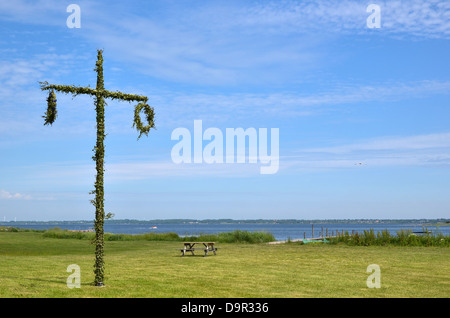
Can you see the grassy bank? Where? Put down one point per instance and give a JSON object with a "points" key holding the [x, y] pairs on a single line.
{"points": [[385, 238], [33, 265], [365, 238], [226, 237]]}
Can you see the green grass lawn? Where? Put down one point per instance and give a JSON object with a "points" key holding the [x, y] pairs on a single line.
{"points": [[34, 266]]}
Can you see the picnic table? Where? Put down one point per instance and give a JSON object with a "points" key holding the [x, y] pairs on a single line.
{"points": [[207, 247]]}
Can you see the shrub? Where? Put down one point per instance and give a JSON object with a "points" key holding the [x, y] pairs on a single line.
{"points": [[245, 237], [403, 238], [225, 237], [237, 236], [58, 233]]}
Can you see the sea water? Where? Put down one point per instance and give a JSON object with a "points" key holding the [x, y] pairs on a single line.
{"points": [[281, 231]]}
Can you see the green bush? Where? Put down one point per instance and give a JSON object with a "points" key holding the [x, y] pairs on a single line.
{"points": [[403, 238], [225, 237], [58, 233], [143, 237], [245, 237], [17, 229], [237, 236], [8, 229]]}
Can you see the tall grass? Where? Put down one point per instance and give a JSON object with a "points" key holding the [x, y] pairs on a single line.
{"points": [[17, 229], [403, 238], [234, 237], [226, 237]]}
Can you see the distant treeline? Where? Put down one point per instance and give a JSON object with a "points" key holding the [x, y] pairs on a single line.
{"points": [[246, 221]]}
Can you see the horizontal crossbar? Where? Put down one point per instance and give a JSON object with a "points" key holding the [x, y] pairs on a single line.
{"points": [[71, 89]]}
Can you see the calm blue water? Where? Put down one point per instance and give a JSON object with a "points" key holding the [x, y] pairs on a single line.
{"points": [[280, 231]]}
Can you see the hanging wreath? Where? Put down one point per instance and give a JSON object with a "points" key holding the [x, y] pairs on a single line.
{"points": [[51, 114], [149, 116]]}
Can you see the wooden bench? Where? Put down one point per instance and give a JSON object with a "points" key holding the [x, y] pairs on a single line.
{"points": [[207, 247]]}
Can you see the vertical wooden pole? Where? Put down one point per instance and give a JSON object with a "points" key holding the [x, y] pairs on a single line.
{"points": [[100, 95], [99, 188]]}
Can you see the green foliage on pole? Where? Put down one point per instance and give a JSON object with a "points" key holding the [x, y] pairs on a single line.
{"points": [[52, 113], [99, 150], [149, 116]]}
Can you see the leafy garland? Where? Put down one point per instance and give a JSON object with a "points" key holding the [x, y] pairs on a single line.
{"points": [[99, 150], [149, 116], [52, 113]]}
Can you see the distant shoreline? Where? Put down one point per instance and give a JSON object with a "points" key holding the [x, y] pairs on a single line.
{"points": [[439, 222]]}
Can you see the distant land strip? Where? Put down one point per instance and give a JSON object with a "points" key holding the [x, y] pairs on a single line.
{"points": [[441, 221]]}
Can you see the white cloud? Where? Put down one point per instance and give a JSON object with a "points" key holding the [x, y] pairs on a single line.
{"points": [[420, 150], [427, 18], [41, 12], [230, 43], [222, 107], [84, 175], [13, 196], [219, 108], [421, 18], [20, 76], [420, 142], [30, 12], [432, 150], [234, 43]]}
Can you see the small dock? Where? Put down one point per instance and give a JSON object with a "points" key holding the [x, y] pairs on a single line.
{"points": [[305, 240], [323, 236]]}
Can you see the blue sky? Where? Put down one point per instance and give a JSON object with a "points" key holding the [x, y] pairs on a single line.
{"points": [[363, 113]]}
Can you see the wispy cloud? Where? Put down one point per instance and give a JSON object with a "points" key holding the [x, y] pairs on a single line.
{"points": [[427, 18], [419, 150], [80, 174], [19, 90], [40, 12], [217, 108], [23, 74], [420, 142], [5, 195], [223, 107], [230, 43], [432, 150], [421, 18], [32, 12]]}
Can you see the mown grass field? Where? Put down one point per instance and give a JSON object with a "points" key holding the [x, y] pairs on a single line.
{"points": [[34, 266]]}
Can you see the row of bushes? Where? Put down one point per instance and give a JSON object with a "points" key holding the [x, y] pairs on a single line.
{"points": [[226, 237], [365, 238], [403, 238], [234, 237], [17, 229]]}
